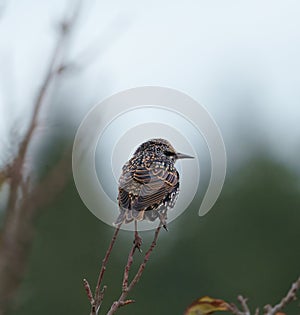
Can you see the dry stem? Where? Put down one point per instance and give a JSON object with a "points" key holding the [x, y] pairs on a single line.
{"points": [[17, 232], [290, 296], [268, 309], [96, 301], [127, 288]]}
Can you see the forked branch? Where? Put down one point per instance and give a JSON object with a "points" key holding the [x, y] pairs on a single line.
{"points": [[268, 309], [97, 298], [127, 288]]}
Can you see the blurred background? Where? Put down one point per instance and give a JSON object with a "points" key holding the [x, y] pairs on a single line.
{"points": [[239, 59]]}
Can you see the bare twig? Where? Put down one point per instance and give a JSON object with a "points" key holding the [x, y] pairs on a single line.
{"points": [[88, 292], [244, 305], [127, 288], [291, 296], [146, 258], [127, 268], [268, 309], [96, 301], [235, 310], [98, 294]]}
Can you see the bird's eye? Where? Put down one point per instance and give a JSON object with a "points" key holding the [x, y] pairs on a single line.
{"points": [[169, 153]]}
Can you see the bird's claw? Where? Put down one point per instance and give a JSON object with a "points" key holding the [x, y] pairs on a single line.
{"points": [[138, 242]]}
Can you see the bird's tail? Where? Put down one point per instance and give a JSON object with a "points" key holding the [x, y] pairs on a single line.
{"points": [[124, 217], [127, 216]]}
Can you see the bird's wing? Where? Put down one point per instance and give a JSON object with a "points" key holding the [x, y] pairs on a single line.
{"points": [[127, 186], [146, 187]]}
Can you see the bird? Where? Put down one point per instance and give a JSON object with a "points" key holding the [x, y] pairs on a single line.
{"points": [[149, 183]]}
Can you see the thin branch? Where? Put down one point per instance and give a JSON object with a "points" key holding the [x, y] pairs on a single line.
{"points": [[146, 258], [244, 304], [127, 268], [127, 288], [103, 267], [256, 311], [96, 301], [290, 296], [268, 309], [236, 311], [88, 291]]}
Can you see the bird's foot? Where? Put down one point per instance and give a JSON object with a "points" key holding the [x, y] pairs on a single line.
{"points": [[165, 226], [163, 220], [137, 241]]}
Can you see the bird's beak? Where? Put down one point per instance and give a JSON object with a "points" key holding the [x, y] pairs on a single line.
{"points": [[183, 156]]}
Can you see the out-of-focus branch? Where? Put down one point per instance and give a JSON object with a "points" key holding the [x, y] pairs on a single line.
{"points": [[24, 200], [91, 52], [4, 175]]}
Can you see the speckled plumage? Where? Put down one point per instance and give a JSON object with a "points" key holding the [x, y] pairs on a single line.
{"points": [[149, 183]]}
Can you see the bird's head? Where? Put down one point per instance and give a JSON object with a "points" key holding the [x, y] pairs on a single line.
{"points": [[161, 148]]}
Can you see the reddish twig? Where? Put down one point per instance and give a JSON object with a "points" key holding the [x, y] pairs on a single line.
{"points": [[96, 301], [127, 268], [127, 302], [146, 258], [127, 288], [88, 292], [104, 262]]}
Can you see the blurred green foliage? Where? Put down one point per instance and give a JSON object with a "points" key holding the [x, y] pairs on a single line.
{"points": [[248, 244]]}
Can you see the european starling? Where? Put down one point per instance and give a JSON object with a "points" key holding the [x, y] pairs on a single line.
{"points": [[149, 183]]}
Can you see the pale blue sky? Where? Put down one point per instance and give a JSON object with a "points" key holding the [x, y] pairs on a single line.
{"points": [[240, 59]]}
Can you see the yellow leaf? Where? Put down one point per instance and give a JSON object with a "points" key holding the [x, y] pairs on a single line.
{"points": [[206, 305]]}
